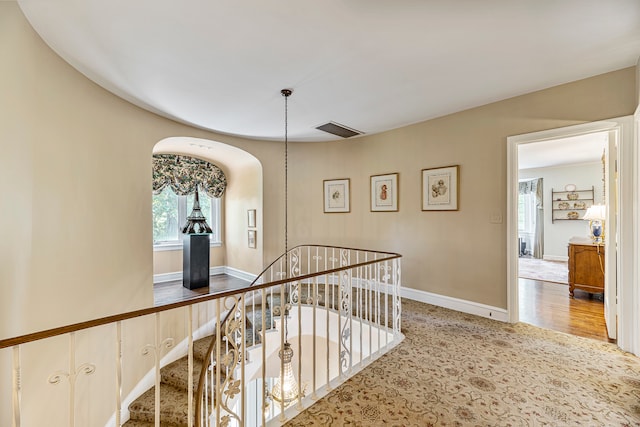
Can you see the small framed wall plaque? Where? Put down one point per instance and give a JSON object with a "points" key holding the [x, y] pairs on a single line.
{"points": [[251, 218], [384, 193], [440, 189], [336, 195], [251, 238]]}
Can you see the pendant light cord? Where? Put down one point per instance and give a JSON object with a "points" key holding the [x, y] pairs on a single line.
{"points": [[286, 93]]}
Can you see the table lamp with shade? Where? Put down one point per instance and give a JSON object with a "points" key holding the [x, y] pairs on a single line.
{"points": [[596, 215]]}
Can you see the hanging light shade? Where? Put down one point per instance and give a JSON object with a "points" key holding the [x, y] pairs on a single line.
{"points": [[286, 387]]}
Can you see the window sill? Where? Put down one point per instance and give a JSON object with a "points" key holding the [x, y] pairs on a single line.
{"points": [[178, 246]]}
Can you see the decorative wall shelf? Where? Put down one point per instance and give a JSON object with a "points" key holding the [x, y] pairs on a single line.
{"points": [[570, 205]]}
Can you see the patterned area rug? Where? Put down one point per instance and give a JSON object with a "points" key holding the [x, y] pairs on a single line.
{"points": [[547, 271], [455, 369]]}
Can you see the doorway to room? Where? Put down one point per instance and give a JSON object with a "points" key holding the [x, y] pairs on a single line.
{"points": [[559, 181], [616, 233]]}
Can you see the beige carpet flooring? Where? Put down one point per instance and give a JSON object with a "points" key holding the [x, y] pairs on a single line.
{"points": [[547, 271], [454, 369]]}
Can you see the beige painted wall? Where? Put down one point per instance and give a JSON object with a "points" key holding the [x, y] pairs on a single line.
{"points": [[244, 193], [458, 254], [76, 169]]}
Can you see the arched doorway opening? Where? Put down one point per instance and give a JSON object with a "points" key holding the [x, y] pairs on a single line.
{"points": [[231, 251]]}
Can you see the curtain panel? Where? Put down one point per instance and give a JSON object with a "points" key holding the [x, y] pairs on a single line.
{"points": [[535, 186], [184, 174]]}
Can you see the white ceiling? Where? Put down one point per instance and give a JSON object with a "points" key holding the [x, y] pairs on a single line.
{"points": [[372, 65], [566, 151]]}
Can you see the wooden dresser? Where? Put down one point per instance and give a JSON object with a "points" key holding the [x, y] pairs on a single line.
{"points": [[586, 266]]}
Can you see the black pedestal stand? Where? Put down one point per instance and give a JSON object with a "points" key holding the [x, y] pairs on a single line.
{"points": [[195, 261]]}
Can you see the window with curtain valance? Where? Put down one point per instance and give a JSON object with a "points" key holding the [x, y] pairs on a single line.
{"points": [[175, 179]]}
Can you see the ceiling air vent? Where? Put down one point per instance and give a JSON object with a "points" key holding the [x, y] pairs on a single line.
{"points": [[339, 130]]}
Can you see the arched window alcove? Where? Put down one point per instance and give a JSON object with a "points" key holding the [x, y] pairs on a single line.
{"points": [[231, 252]]}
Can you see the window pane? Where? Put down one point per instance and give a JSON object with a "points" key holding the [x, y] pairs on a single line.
{"points": [[165, 216]]}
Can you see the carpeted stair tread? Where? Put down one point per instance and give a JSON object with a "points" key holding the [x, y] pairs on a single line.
{"points": [[176, 373], [200, 347], [173, 406]]}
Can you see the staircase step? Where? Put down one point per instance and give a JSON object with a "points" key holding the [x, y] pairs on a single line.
{"points": [[176, 373], [200, 347], [173, 392], [173, 406]]}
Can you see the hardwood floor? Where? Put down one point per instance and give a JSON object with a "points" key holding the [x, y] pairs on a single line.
{"points": [[168, 292], [549, 306]]}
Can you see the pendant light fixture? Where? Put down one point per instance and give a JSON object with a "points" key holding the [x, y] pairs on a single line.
{"points": [[286, 388]]}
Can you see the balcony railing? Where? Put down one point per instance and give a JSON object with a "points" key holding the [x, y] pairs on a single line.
{"points": [[338, 309]]}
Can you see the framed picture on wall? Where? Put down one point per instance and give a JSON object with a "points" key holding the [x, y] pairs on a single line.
{"points": [[336, 195], [251, 218], [440, 189], [384, 193], [252, 238]]}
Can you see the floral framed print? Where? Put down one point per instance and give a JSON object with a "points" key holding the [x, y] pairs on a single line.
{"points": [[440, 189], [384, 193], [336, 195]]}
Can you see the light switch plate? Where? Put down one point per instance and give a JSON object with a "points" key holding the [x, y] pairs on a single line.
{"points": [[496, 218]]}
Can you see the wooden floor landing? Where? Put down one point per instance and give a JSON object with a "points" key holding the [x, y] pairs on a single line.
{"points": [[169, 292], [549, 306]]}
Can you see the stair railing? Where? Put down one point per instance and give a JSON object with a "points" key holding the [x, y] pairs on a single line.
{"points": [[348, 277], [351, 296]]}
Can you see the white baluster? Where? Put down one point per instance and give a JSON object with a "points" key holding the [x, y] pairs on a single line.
{"points": [[314, 286], [17, 387], [118, 374], [72, 375], [263, 339], [190, 366]]}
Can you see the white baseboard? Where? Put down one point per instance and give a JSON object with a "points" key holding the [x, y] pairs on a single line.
{"points": [[555, 258], [167, 277], [456, 304], [177, 275], [464, 306], [250, 277]]}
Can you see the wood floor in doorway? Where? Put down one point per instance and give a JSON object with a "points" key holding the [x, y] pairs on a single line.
{"points": [[549, 306]]}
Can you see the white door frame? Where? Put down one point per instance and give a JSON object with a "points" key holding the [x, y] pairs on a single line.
{"points": [[628, 323], [632, 338]]}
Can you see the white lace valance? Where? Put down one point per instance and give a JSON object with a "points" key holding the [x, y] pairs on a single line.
{"points": [[184, 174]]}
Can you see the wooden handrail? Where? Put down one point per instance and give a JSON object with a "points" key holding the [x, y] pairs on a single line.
{"points": [[48, 333], [253, 286]]}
